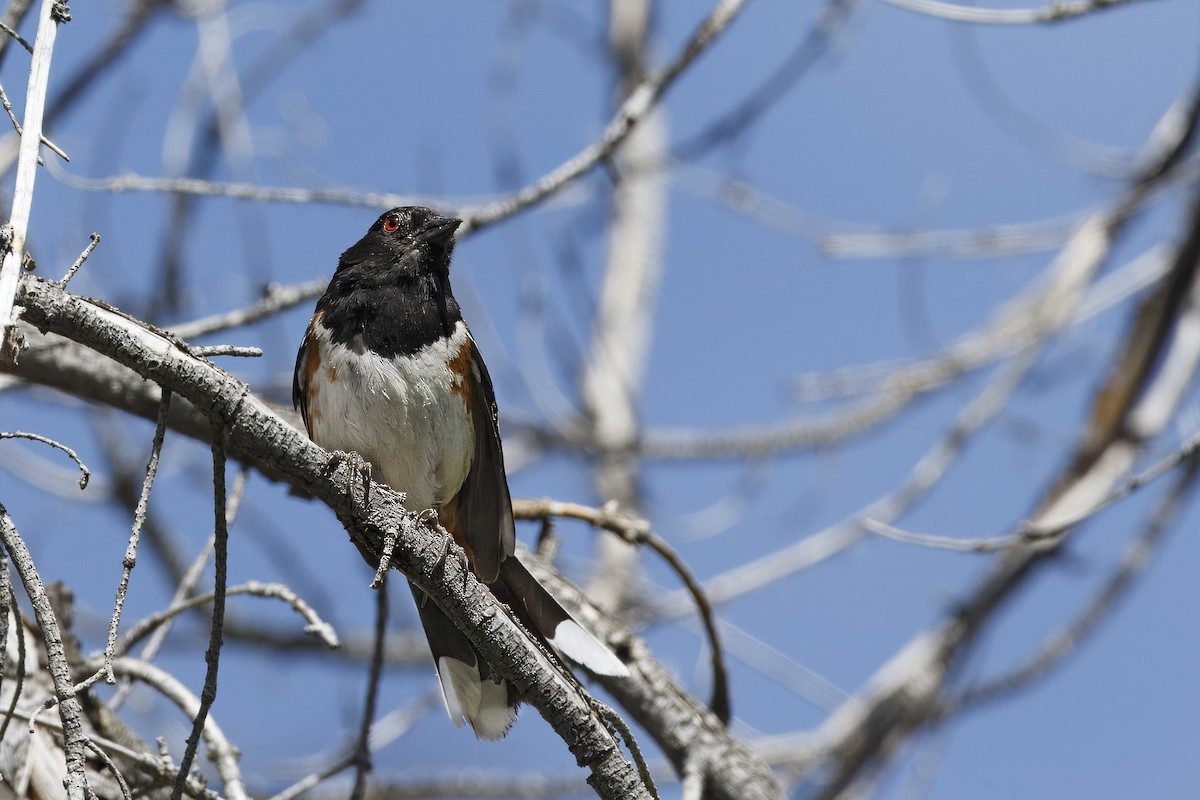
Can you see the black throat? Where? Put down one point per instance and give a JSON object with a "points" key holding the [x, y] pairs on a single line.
{"points": [[398, 318]]}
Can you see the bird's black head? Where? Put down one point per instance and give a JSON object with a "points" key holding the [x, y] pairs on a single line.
{"points": [[405, 243], [391, 291]]}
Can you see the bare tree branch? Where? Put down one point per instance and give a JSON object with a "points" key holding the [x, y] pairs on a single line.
{"points": [[27, 161], [254, 431], [1055, 11], [69, 711], [903, 694], [1067, 640], [212, 655], [622, 329], [641, 101]]}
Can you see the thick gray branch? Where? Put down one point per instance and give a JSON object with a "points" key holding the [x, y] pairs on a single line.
{"points": [[254, 432]]}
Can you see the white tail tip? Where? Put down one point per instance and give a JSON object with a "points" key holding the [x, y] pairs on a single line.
{"points": [[586, 650], [469, 698]]}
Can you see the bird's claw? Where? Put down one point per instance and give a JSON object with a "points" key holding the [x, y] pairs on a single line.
{"points": [[355, 463], [449, 546]]}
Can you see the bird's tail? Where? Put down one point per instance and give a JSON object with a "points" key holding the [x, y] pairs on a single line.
{"points": [[543, 616], [472, 691]]}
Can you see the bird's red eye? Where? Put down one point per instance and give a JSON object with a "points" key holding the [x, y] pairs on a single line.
{"points": [[390, 224]]}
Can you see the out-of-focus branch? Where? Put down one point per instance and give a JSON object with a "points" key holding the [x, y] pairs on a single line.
{"points": [[1074, 266], [623, 326], [14, 12], [222, 128], [1055, 11], [467, 784], [119, 184], [903, 695], [980, 346], [753, 576], [842, 239], [275, 299], [641, 101], [1063, 642], [891, 387], [807, 53], [138, 16]]}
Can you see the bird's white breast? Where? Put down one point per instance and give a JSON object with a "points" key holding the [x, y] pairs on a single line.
{"points": [[405, 414]]}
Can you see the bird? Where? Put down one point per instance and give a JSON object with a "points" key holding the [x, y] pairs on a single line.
{"points": [[389, 371]]}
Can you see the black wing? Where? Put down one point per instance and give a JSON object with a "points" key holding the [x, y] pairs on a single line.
{"points": [[483, 503], [305, 362]]}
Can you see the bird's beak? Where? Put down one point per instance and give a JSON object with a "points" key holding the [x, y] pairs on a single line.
{"points": [[438, 230]]}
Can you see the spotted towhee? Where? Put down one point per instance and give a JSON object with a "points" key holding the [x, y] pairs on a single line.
{"points": [[388, 370]]}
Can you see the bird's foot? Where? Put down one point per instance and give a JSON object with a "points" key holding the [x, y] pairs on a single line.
{"points": [[449, 546], [355, 463]]}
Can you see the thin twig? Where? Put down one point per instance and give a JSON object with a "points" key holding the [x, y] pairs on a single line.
{"points": [[87, 251], [130, 182], [983, 545], [315, 625], [58, 151], [188, 581], [277, 298], [1031, 531], [212, 655], [641, 101], [108, 762], [1133, 483], [186, 584], [18, 37], [226, 350], [139, 519], [385, 560], [362, 746], [86, 473]]}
